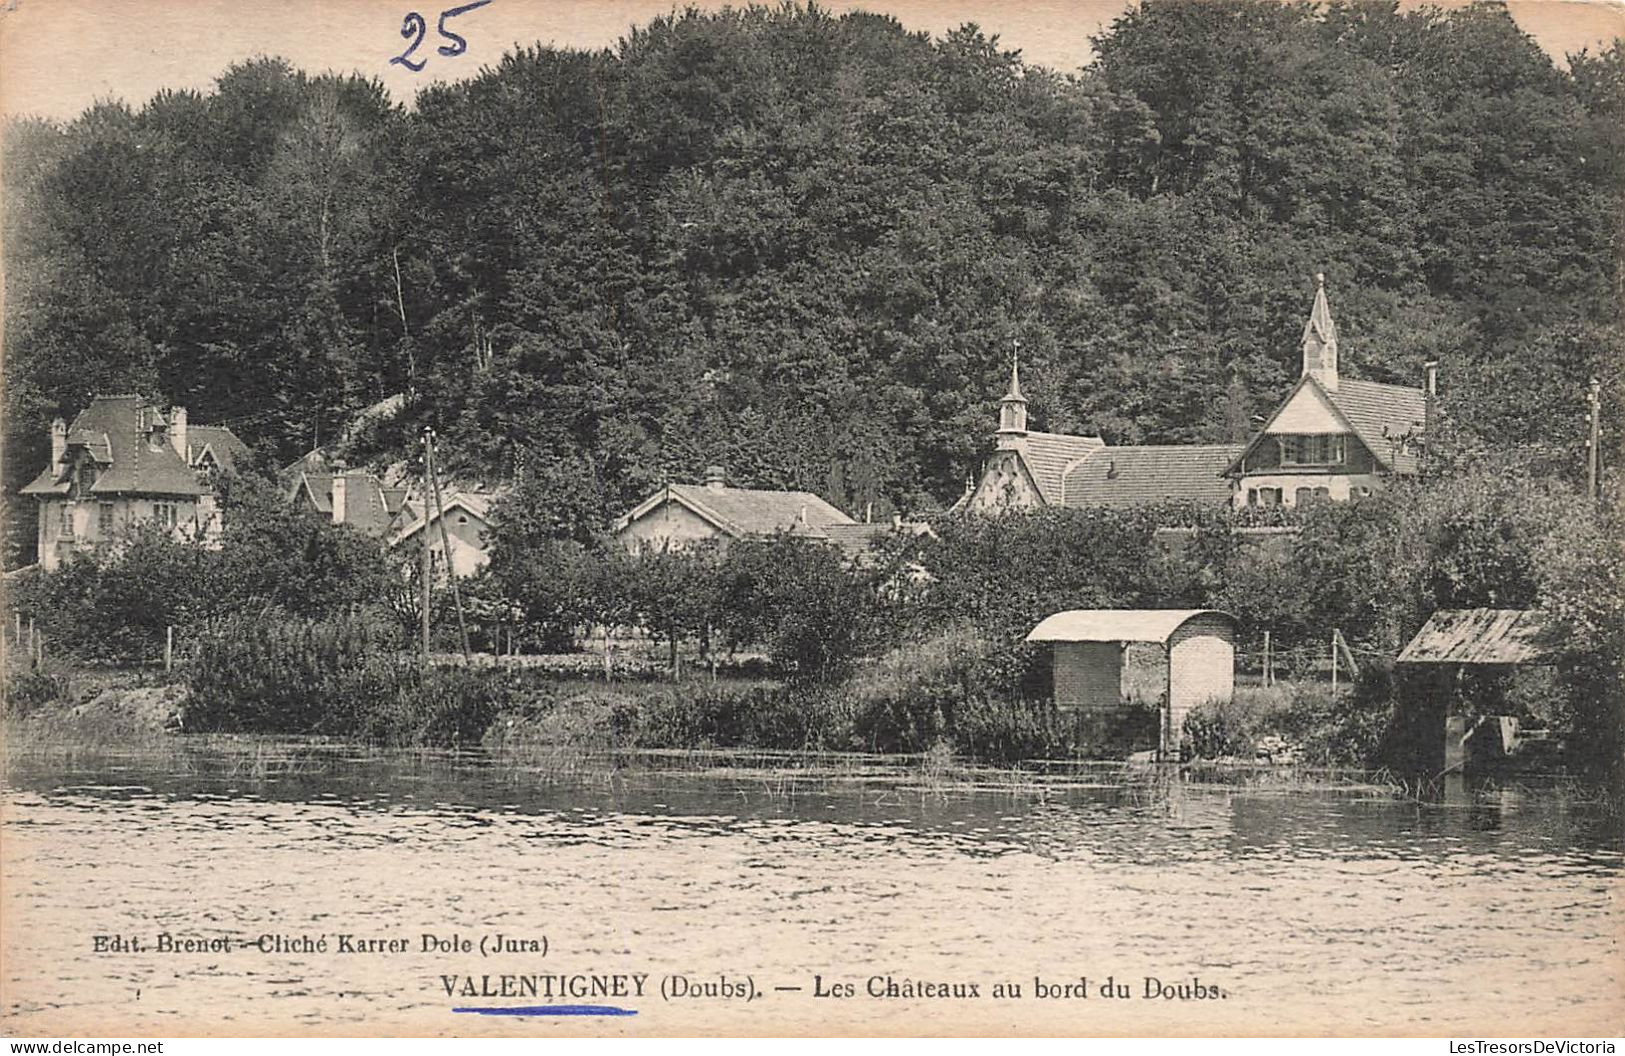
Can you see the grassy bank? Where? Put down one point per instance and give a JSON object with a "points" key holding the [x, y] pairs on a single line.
{"points": [[953, 697]]}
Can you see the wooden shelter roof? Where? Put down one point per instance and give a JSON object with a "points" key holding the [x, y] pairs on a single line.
{"points": [[1482, 636]]}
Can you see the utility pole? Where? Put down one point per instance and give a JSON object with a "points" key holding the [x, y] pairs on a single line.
{"points": [[1594, 440], [445, 543], [428, 439]]}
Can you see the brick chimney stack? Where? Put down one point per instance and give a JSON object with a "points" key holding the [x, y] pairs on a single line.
{"points": [[716, 478], [59, 444], [341, 489], [177, 432]]}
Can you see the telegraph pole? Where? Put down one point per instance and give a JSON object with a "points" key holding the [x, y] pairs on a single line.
{"points": [[445, 543], [1594, 440]]}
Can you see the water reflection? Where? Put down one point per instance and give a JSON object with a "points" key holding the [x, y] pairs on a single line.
{"points": [[1360, 910]]}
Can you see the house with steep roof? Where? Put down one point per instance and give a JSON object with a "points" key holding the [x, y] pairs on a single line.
{"points": [[1332, 437], [121, 462], [354, 497], [1027, 468], [1030, 469]]}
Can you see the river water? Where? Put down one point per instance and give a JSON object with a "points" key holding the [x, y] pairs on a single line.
{"points": [[1292, 911]]}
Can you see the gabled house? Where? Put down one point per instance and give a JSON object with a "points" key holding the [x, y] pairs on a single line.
{"points": [[124, 461], [395, 514], [680, 515], [354, 497], [1031, 469], [1027, 468], [1332, 437], [466, 516]]}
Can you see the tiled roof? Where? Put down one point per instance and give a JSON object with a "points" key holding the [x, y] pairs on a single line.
{"points": [[1378, 411], [858, 541], [477, 503], [366, 507], [1143, 475], [750, 511], [1048, 454], [114, 429], [225, 445]]}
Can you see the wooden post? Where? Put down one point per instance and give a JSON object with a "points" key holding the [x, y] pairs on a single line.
{"points": [[1269, 662], [169, 647], [445, 542], [1334, 664], [1594, 440]]}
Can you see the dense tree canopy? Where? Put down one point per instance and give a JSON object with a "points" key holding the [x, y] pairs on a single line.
{"points": [[801, 245]]}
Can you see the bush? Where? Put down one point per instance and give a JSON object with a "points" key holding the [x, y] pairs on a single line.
{"points": [[28, 691], [956, 688], [1219, 729], [345, 678], [1348, 729]]}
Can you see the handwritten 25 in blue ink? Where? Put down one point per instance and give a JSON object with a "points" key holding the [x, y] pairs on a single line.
{"points": [[413, 26]]}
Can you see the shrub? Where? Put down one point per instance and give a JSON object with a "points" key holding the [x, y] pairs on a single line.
{"points": [[1348, 729], [27, 691], [1232, 728], [346, 677], [955, 687]]}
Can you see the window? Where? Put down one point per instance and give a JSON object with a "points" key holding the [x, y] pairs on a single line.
{"points": [[66, 529], [1311, 450], [1304, 496], [1263, 496], [104, 520], [164, 513]]}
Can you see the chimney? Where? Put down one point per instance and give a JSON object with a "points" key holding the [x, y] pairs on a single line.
{"points": [[341, 488], [177, 432], [896, 521], [1111, 469], [59, 445], [1430, 387], [715, 478]]}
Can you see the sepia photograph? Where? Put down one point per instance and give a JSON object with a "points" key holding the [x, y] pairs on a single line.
{"points": [[909, 518]]}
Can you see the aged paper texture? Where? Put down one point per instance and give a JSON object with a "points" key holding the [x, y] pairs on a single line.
{"points": [[937, 517]]}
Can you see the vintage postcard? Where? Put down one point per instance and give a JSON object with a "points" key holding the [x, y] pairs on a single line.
{"points": [[930, 517]]}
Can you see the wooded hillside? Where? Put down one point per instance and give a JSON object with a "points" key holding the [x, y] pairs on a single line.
{"points": [[802, 245]]}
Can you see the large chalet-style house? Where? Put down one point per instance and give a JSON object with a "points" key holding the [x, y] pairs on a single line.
{"points": [[681, 515], [1332, 437], [124, 461]]}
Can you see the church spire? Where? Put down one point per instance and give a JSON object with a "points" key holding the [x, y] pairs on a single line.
{"points": [[1013, 408], [1320, 339]]}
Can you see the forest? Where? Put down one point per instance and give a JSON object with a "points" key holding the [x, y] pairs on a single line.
{"points": [[803, 245]]}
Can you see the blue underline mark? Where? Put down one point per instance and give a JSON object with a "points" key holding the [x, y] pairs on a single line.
{"points": [[549, 1010]]}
